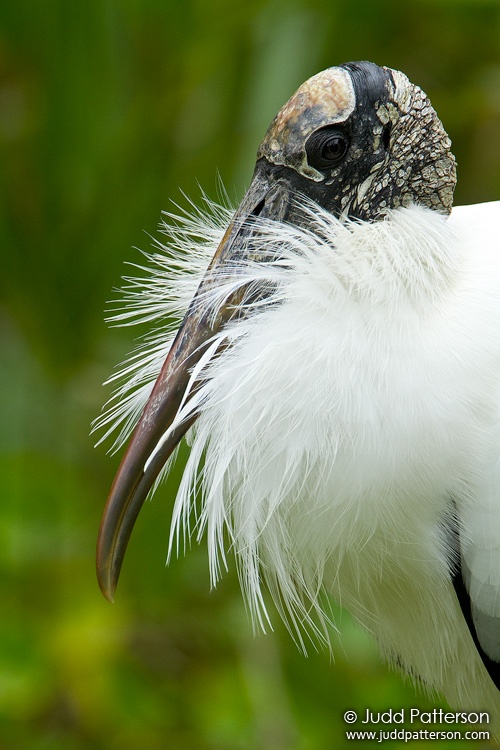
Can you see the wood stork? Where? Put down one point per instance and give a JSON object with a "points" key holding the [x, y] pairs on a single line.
{"points": [[338, 371]]}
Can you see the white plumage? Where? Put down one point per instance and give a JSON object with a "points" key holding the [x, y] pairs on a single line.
{"points": [[347, 439]]}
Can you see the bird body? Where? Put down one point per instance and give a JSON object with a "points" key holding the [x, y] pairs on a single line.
{"points": [[342, 391], [348, 487]]}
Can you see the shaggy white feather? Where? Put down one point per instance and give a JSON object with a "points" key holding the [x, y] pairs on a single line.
{"points": [[161, 298], [350, 406]]}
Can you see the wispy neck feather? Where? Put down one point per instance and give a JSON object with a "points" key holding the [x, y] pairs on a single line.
{"points": [[335, 278]]}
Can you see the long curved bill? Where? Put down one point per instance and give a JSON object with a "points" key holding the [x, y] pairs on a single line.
{"points": [[151, 445]]}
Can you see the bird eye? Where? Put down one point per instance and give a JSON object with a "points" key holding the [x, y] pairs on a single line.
{"points": [[326, 148]]}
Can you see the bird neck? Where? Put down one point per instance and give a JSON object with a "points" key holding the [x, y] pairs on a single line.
{"points": [[410, 256]]}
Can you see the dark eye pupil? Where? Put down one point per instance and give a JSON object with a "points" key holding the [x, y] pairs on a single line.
{"points": [[333, 148], [326, 148]]}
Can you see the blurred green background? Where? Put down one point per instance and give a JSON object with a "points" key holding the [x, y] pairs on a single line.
{"points": [[107, 108]]}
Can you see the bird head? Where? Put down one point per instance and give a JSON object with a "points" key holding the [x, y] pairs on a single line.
{"points": [[358, 140]]}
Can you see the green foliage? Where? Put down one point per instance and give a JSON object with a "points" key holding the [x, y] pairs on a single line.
{"points": [[107, 108]]}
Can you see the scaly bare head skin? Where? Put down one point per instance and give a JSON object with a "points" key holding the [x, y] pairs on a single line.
{"points": [[326, 98], [357, 140], [395, 134]]}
